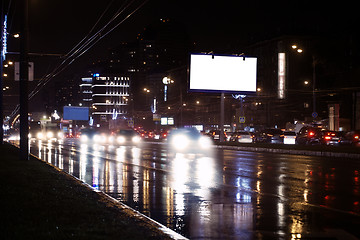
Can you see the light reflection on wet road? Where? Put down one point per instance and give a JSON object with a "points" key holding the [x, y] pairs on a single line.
{"points": [[223, 194]]}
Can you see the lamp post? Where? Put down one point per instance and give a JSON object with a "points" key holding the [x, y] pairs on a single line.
{"points": [[299, 50]]}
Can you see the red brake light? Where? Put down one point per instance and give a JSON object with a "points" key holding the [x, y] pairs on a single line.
{"points": [[327, 137], [356, 137], [311, 134]]}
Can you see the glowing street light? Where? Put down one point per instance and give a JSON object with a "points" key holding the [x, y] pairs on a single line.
{"points": [[299, 50]]}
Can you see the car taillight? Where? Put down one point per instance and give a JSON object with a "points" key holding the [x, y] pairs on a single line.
{"points": [[311, 134], [356, 137], [238, 136], [327, 138]]}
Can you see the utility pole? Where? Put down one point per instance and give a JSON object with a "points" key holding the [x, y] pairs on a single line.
{"points": [[314, 113], [24, 75], [222, 113]]}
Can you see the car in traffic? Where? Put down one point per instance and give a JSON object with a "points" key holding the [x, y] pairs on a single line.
{"points": [[47, 132], [309, 136], [188, 139], [241, 137], [93, 136], [271, 135], [215, 135], [330, 137], [125, 137], [289, 137], [350, 138]]}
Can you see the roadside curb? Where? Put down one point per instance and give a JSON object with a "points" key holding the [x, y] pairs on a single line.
{"points": [[141, 217], [285, 151], [292, 151]]}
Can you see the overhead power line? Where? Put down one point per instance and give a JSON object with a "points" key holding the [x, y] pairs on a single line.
{"points": [[88, 42]]}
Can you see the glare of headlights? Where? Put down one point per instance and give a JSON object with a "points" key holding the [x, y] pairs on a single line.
{"points": [[103, 138], [60, 135], [39, 135], [49, 134], [84, 138], [180, 141], [136, 139], [111, 139], [29, 135], [205, 142], [96, 138], [121, 139]]}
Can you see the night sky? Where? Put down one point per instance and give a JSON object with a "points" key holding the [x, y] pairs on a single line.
{"points": [[56, 26]]}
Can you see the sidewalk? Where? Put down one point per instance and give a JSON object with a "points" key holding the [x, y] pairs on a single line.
{"points": [[39, 201]]}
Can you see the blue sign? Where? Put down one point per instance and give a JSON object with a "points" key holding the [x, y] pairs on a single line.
{"points": [[314, 114], [241, 119], [76, 113]]}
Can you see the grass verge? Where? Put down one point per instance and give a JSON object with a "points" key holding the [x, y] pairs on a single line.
{"points": [[41, 202]]}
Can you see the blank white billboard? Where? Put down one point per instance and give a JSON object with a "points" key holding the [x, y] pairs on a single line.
{"points": [[222, 73]]}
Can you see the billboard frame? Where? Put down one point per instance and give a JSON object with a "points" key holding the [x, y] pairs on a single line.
{"points": [[244, 57]]}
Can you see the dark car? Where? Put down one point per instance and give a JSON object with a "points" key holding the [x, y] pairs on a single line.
{"points": [[241, 137], [125, 137], [330, 137], [351, 138], [272, 135], [309, 136], [215, 135]]}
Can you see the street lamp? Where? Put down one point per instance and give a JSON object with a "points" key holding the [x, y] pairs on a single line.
{"points": [[299, 50]]}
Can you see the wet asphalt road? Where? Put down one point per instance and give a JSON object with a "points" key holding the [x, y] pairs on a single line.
{"points": [[222, 194]]}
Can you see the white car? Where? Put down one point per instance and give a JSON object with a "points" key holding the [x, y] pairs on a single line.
{"points": [[289, 137]]}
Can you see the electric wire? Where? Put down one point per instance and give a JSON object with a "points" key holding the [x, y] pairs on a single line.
{"points": [[68, 61], [83, 46]]}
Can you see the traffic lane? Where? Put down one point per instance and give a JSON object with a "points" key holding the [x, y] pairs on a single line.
{"points": [[239, 195], [291, 188]]}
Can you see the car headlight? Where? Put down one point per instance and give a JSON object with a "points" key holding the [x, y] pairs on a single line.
{"points": [[49, 135], [121, 139], [205, 142], [84, 138], [136, 139], [39, 135], [180, 142], [97, 138], [60, 135]]}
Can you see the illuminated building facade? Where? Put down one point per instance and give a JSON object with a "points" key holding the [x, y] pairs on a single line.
{"points": [[107, 97], [302, 77]]}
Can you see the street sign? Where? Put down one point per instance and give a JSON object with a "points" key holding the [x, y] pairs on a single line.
{"points": [[17, 71], [241, 119], [314, 114], [156, 117]]}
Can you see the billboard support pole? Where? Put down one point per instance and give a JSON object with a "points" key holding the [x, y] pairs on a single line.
{"points": [[222, 117], [24, 75]]}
